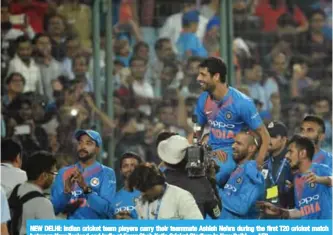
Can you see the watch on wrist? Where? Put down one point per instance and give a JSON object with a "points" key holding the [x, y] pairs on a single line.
{"points": [[87, 190]]}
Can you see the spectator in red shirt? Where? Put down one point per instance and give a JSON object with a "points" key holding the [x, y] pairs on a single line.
{"points": [[270, 10], [34, 11]]}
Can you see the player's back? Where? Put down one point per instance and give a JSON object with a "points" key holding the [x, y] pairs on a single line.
{"points": [[312, 199]]}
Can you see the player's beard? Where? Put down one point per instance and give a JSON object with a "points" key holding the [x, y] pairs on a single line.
{"points": [[210, 88], [239, 156], [87, 157], [315, 140]]}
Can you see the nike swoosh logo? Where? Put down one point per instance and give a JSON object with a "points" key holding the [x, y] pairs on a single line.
{"points": [[208, 112], [118, 204]]}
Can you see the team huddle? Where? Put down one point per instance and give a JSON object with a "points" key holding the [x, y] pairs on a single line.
{"points": [[260, 172], [239, 141]]}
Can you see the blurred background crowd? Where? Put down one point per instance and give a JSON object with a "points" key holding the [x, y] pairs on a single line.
{"points": [[282, 59]]}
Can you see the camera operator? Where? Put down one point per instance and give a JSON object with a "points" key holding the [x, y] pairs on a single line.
{"points": [[173, 152]]}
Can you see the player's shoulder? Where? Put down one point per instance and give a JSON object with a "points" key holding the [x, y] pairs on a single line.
{"points": [[321, 169], [239, 96], [203, 96], [252, 172], [107, 170], [326, 153]]}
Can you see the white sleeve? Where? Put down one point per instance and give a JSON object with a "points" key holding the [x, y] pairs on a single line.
{"points": [[45, 210], [5, 215], [188, 208], [167, 30]]}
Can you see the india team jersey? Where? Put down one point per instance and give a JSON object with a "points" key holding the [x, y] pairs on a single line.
{"points": [[323, 157], [312, 199], [95, 205], [227, 117], [245, 186], [125, 201]]}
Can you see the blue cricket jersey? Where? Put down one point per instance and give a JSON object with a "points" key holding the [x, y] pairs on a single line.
{"points": [[95, 205], [245, 186], [226, 118], [314, 200], [323, 157], [125, 201], [190, 42]]}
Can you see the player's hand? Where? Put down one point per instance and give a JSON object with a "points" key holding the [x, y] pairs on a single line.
{"points": [[311, 178], [123, 215], [268, 208], [69, 184], [220, 155], [289, 185], [78, 178]]}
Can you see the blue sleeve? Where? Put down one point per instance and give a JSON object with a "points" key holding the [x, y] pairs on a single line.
{"points": [[251, 191], [324, 171], [59, 198], [200, 109], [250, 115], [328, 160], [102, 203]]}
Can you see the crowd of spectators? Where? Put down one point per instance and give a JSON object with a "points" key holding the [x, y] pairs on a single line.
{"points": [[282, 59]]}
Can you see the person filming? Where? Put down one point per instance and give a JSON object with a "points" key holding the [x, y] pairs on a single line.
{"points": [[173, 152]]}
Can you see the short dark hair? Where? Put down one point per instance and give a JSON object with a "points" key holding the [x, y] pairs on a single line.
{"points": [[315, 12], [119, 62], [137, 58], [159, 43], [215, 66], [303, 143], [250, 63], [38, 163], [193, 59], [145, 177], [319, 98], [12, 75], [317, 120], [140, 44], [22, 39], [286, 19], [164, 136], [127, 155], [17, 103], [38, 36], [9, 150], [172, 65]]}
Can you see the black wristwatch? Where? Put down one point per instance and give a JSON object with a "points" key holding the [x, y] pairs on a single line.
{"points": [[87, 190]]}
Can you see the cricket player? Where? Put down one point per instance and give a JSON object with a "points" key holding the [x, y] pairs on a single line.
{"points": [[227, 111], [86, 189]]}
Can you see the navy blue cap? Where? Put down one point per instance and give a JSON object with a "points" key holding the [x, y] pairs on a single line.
{"points": [[94, 135], [214, 21], [276, 129], [190, 17]]}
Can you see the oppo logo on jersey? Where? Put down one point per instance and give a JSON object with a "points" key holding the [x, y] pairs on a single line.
{"points": [[220, 124], [309, 205], [124, 208], [308, 200], [230, 187], [77, 193]]}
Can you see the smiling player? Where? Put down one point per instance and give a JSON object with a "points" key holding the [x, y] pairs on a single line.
{"points": [[313, 184], [227, 111]]}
